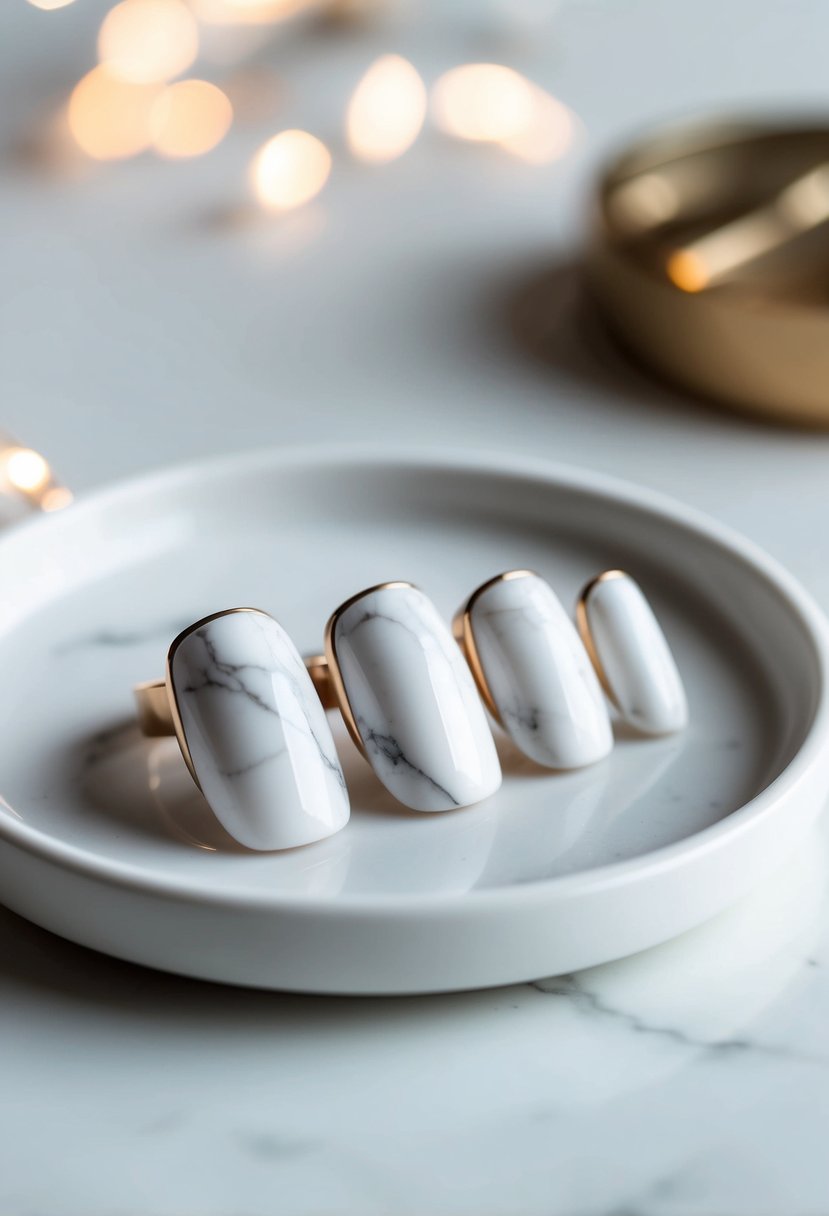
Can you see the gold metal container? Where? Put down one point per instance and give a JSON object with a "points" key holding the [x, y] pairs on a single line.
{"points": [[710, 258]]}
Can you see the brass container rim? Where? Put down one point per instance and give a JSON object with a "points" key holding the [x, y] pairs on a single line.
{"points": [[748, 336]]}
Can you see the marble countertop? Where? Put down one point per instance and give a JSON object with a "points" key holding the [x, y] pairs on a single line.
{"points": [[149, 316]]}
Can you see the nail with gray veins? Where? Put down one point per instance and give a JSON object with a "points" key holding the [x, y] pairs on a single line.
{"points": [[258, 737], [538, 674], [633, 654], [413, 700]]}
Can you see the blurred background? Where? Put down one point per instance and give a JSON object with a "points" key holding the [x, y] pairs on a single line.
{"points": [[235, 222]]}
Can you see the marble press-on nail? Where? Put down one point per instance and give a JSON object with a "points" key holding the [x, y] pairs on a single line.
{"points": [[259, 741], [631, 654], [535, 671], [412, 701]]}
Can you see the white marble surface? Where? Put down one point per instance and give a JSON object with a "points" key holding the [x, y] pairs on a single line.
{"points": [[538, 673], [414, 703], [257, 734], [139, 325]]}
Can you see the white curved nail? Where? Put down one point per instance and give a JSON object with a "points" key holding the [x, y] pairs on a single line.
{"points": [[413, 700], [633, 655], [257, 733], [538, 673]]}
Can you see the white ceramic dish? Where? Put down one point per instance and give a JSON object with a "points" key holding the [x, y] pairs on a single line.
{"points": [[104, 839]]}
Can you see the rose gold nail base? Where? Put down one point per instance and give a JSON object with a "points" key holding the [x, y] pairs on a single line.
{"points": [[320, 673], [583, 626], [155, 718]]}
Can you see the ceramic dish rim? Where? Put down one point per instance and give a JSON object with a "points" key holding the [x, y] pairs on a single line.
{"points": [[486, 462]]}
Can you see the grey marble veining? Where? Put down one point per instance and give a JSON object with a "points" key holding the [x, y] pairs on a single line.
{"points": [[415, 704], [538, 673], [257, 733]]}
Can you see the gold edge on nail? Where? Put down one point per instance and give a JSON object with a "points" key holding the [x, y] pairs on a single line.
{"points": [[465, 636], [319, 670], [585, 633], [153, 707], [175, 713], [334, 673]]}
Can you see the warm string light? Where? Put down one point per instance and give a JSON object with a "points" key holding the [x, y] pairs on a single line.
{"points": [[128, 103], [482, 102], [548, 134], [148, 41], [386, 111], [110, 118], [26, 470], [290, 170], [56, 498], [492, 103], [249, 12], [28, 473], [189, 118]]}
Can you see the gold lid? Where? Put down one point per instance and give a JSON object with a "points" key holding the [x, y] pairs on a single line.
{"points": [[710, 258]]}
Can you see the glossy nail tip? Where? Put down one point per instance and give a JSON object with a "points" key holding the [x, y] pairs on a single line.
{"points": [[413, 700], [258, 737], [633, 655], [538, 674]]}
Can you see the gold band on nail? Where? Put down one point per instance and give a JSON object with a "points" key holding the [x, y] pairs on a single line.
{"points": [[336, 690], [583, 626], [465, 635]]}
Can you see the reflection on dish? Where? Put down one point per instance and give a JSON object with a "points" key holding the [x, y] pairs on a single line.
{"points": [[143, 789], [435, 854], [5, 809], [583, 805], [181, 806], [313, 870]]}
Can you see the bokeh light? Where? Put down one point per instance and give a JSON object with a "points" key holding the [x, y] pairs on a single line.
{"points": [[249, 12], [110, 118], [290, 169], [484, 102], [56, 499], [49, 5], [148, 41], [491, 103], [25, 469], [687, 271], [189, 118], [386, 111], [548, 134], [28, 473]]}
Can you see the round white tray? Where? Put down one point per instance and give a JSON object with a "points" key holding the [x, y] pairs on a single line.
{"points": [[105, 840]]}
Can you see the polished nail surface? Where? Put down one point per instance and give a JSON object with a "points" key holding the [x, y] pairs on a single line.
{"points": [[537, 672], [413, 701], [258, 737], [632, 655]]}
